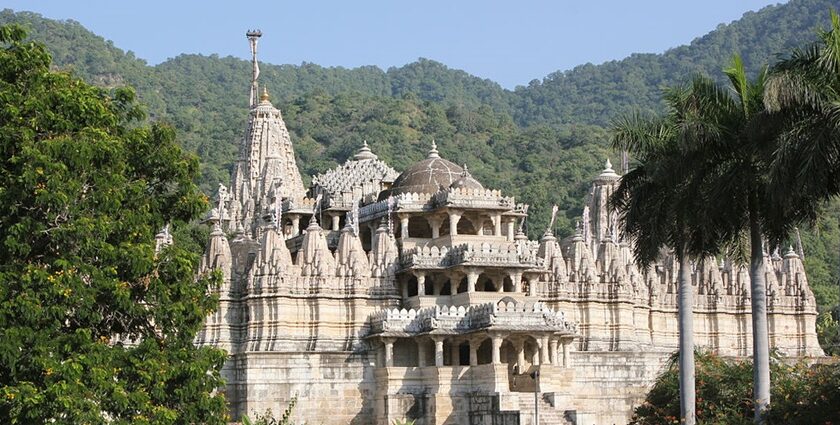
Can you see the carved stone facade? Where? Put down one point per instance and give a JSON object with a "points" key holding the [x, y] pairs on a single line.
{"points": [[376, 296]]}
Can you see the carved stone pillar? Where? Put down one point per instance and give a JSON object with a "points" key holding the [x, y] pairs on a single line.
{"points": [[421, 283], [497, 224], [295, 224], [520, 356], [552, 350], [511, 224], [475, 343], [567, 348], [335, 221], [404, 226], [544, 351], [454, 218], [389, 351], [438, 350], [516, 277], [496, 343], [434, 223], [472, 278], [404, 289], [499, 281], [533, 281]]}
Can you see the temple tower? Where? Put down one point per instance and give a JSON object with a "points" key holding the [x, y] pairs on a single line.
{"points": [[267, 167]]}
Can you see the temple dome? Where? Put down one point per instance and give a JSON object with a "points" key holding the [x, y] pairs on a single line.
{"points": [[426, 176]]}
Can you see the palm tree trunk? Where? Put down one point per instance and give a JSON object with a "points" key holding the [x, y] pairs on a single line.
{"points": [[761, 341], [686, 326]]}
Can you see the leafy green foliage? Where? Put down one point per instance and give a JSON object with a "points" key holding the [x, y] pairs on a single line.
{"points": [[94, 327], [268, 418], [802, 394]]}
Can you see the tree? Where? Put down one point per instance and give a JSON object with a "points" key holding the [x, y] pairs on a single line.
{"points": [[663, 202], [745, 136], [94, 326]]}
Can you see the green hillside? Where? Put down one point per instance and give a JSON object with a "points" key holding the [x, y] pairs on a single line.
{"points": [[542, 142]]}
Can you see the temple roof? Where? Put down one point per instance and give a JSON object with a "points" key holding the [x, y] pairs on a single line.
{"points": [[426, 176], [364, 168]]}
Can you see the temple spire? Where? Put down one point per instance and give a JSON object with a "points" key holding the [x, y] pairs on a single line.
{"points": [[253, 37]]}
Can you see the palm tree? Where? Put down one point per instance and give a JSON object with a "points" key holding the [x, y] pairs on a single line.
{"points": [[662, 202], [746, 137], [805, 89]]}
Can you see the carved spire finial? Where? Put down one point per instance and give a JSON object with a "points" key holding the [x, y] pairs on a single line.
{"points": [[264, 97], [253, 37], [554, 210], [433, 152], [364, 153]]}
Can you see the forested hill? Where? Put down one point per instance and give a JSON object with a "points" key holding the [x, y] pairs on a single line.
{"points": [[590, 94]]}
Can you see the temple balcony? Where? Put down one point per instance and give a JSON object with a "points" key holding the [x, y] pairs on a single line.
{"points": [[485, 254]]}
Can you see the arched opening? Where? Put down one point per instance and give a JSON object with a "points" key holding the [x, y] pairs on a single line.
{"points": [[444, 227], [463, 354], [412, 286], [465, 227], [446, 287], [429, 286], [462, 285], [418, 227], [485, 284], [366, 236], [405, 352], [485, 352]]}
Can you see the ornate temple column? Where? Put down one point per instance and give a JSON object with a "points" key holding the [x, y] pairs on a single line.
{"points": [[567, 348], [520, 356], [516, 277], [499, 281], [389, 351], [544, 352], [295, 224], [438, 350], [552, 351], [335, 221], [532, 285], [421, 283], [496, 343], [434, 223], [511, 224], [472, 278], [475, 343], [497, 224], [404, 226], [454, 218]]}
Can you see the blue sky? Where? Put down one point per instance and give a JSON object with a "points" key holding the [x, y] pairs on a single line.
{"points": [[511, 42]]}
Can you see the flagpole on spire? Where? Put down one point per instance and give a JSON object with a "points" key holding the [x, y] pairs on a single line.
{"points": [[253, 37]]}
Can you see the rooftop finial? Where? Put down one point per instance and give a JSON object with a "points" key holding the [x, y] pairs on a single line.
{"points": [[364, 153], [608, 173], [253, 37], [264, 96], [433, 152]]}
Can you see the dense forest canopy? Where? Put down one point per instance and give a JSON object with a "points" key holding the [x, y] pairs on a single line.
{"points": [[542, 142]]}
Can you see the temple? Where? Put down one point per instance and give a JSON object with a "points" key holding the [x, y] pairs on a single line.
{"points": [[416, 295]]}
